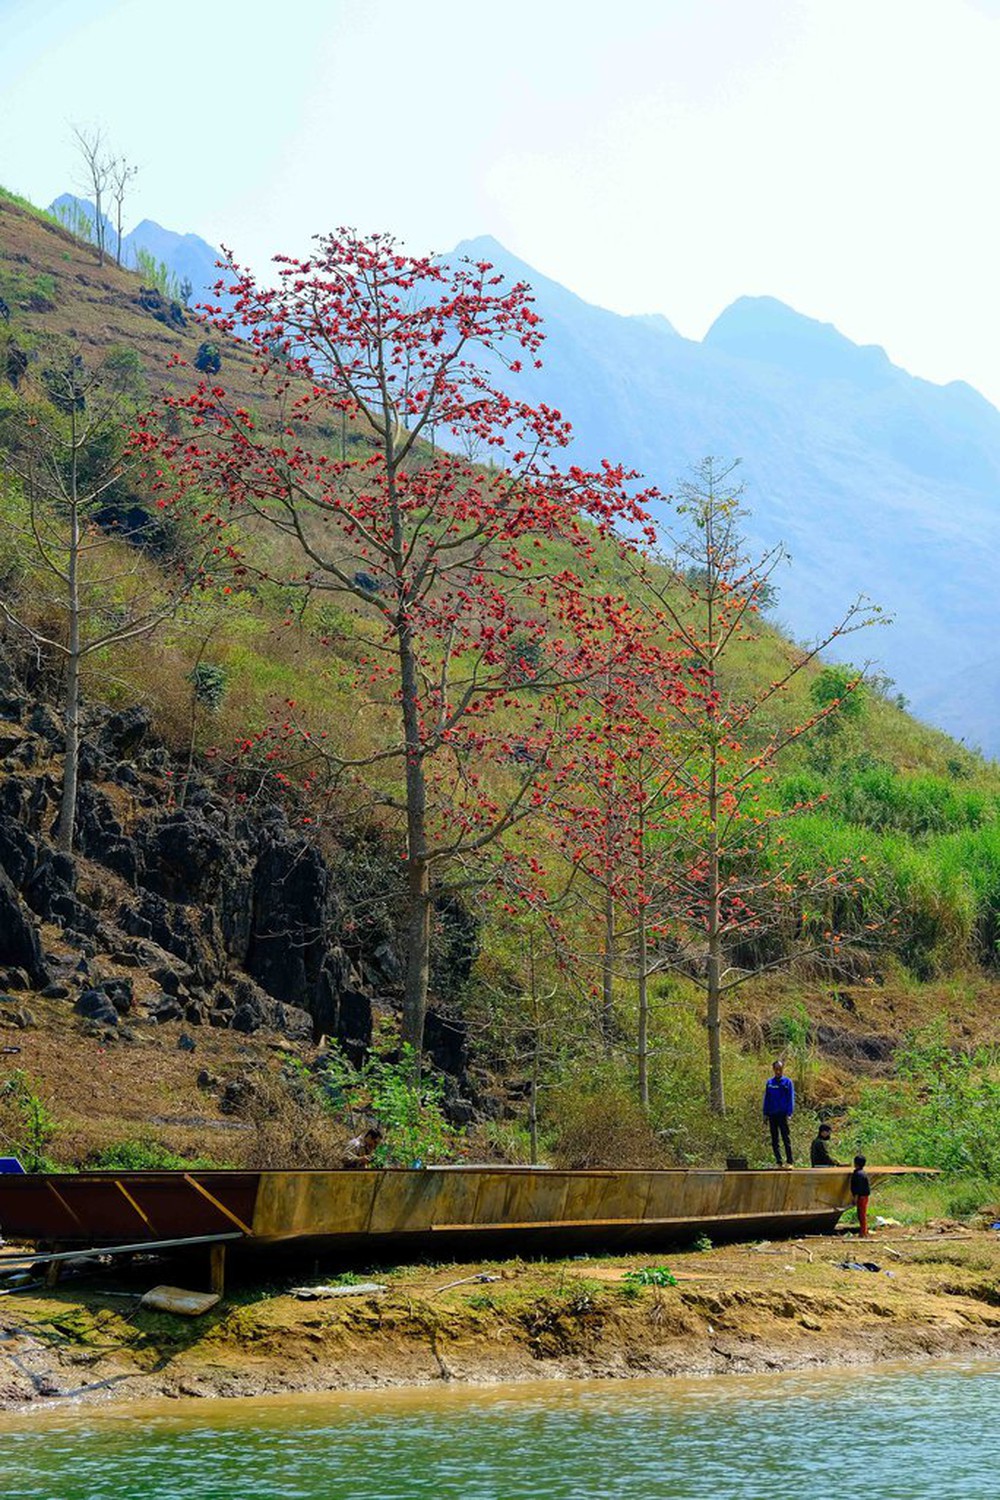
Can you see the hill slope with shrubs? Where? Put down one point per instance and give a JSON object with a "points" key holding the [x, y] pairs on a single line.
{"points": [[221, 886]]}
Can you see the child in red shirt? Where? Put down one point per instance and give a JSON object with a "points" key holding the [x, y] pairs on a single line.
{"points": [[860, 1192]]}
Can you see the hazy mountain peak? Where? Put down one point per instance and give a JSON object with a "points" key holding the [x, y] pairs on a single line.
{"points": [[771, 332], [658, 321]]}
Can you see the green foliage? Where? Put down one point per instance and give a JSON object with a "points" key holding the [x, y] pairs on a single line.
{"points": [[74, 217], [838, 686], [26, 1124], [652, 1276], [941, 1110], [208, 359], [157, 273], [791, 1028], [701, 1243], [409, 1113], [597, 1121], [878, 797], [208, 683], [143, 1154]]}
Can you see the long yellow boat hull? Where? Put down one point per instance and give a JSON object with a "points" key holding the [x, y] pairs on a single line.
{"points": [[515, 1207]]}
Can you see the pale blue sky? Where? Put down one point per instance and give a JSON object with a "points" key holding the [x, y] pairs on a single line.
{"points": [[670, 156]]}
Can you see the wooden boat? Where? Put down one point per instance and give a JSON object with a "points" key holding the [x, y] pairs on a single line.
{"points": [[515, 1209]]}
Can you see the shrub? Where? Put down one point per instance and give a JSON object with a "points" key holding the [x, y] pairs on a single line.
{"points": [[142, 1154], [208, 359], [598, 1122], [941, 1110], [26, 1125], [409, 1112]]}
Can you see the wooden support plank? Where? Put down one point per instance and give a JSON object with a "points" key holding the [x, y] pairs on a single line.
{"points": [[217, 1269], [63, 1204], [143, 1216], [233, 1219]]}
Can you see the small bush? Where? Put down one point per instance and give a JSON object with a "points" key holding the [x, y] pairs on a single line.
{"points": [[603, 1127], [941, 1110], [651, 1276], [142, 1154], [26, 1126], [410, 1113], [208, 359]]}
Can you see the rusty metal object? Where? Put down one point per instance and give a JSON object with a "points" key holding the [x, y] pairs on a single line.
{"points": [[514, 1206]]}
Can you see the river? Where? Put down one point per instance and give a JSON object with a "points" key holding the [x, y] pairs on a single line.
{"points": [[894, 1433]]}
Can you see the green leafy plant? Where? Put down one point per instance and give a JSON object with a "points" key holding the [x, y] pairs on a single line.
{"points": [[25, 1122], [157, 273], [141, 1154], [410, 1112], [650, 1276], [941, 1110]]}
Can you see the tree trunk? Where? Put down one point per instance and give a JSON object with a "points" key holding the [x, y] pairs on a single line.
{"points": [[418, 935], [418, 957], [716, 1091], [643, 1038], [608, 974], [536, 1048], [533, 1107], [71, 707]]}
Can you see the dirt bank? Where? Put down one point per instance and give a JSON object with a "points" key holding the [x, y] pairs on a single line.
{"points": [[735, 1309]]}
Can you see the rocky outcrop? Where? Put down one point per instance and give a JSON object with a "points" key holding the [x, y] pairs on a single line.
{"points": [[20, 945], [237, 916]]}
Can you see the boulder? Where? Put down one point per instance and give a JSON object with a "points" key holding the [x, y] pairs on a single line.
{"points": [[172, 927], [18, 850], [44, 722], [119, 992], [171, 977], [20, 946], [56, 991], [186, 857], [353, 1028], [166, 1009], [291, 894], [94, 1005], [122, 733], [446, 1041]]}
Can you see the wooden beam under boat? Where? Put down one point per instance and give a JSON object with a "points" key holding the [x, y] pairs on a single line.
{"points": [[513, 1207]]}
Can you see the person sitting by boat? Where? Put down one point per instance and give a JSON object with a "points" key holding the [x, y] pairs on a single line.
{"points": [[361, 1148], [861, 1191], [819, 1150], [779, 1106]]}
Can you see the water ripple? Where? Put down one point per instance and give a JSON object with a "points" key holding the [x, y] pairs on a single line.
{"points": [[899, 1436]]}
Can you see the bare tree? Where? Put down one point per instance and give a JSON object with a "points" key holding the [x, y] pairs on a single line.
{"points": [[99, 169], [733, 882], [122, 173], [89, 590]]}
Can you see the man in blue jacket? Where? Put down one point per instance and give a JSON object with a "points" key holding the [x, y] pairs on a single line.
{"points": [[779, 1106]]}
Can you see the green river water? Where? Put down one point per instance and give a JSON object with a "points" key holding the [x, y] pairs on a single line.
{"points": [[929, 1431]]}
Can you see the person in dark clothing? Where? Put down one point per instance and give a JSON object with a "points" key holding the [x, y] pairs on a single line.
{"points": [[779, 1106], [861, 1191], [819, 1150]]}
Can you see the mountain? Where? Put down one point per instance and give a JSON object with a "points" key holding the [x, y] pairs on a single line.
{"points": [[877, 482], [187, 256]]}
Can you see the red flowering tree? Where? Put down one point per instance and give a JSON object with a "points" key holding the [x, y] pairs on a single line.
{"points": [[477, 585], [612, 810]]}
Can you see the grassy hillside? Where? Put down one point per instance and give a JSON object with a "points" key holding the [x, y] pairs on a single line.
{"points": [[919, 811]]}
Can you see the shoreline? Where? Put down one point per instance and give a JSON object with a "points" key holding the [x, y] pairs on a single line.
{"points": [[735, 1310]]}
